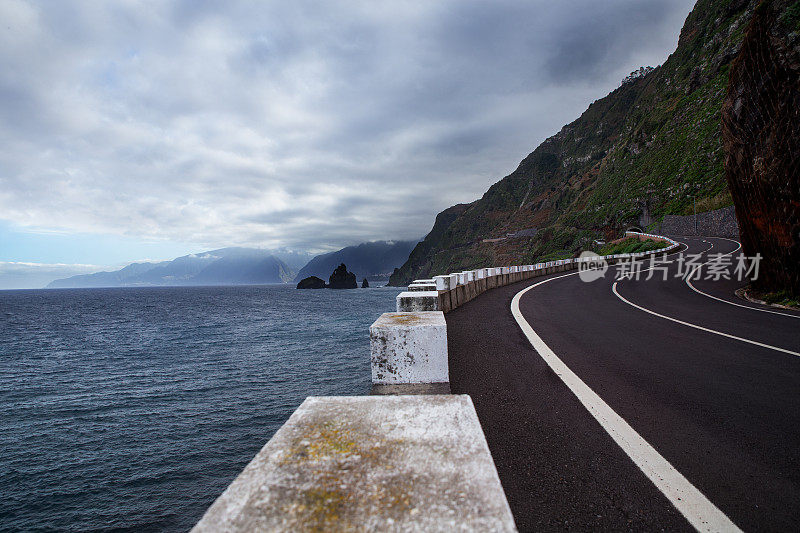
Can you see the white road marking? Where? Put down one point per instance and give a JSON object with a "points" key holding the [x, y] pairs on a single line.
{"points": [[689, 283], [687, 499], [695, 289], [695, 326]]}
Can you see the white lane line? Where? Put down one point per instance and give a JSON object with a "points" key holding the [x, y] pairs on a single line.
{"points": [[701, 328], [695, 289], [701, 240], [709, 248], [687, 499]]}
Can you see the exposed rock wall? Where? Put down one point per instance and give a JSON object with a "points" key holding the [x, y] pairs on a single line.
{"points": [[342, 279], [761, 135], [718, 223]]}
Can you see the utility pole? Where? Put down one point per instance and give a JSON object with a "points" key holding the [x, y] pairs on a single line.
{"points": [[695, 213]]}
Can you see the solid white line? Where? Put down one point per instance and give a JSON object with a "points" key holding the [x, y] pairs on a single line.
{"points": [[695, 326], [687, 499], [695, 289]]}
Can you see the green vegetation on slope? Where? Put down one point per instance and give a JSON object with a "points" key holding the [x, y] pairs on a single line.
{"points": [[643, 151], [631, 245]]}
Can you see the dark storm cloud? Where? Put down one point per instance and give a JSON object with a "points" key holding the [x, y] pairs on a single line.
{"points": [[590, 41], [290, 124]]}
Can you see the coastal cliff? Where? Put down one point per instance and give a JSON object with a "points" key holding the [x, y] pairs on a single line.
{"points": [[650, 148]]}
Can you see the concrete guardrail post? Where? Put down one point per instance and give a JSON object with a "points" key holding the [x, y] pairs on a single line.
{"points": [[409, 348], [411, 301]]}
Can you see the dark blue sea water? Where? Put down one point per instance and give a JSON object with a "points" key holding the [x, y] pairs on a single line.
{"points": [[134, 408]]}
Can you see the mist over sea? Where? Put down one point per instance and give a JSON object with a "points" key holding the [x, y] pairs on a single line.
{"points": [[134, 408]]}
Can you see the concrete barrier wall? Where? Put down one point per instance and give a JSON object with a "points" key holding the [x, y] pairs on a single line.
{"points": [[411, 462], [446, 292], [454, 290], [718, 223]]}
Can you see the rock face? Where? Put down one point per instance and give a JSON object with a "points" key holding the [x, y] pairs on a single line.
{"points": [[342, 279], [364, 284], [761, 134], [717, 223], [311, 282]]}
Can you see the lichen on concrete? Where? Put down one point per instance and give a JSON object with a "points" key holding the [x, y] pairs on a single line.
{"points": [[370, 463], [409, 347]]}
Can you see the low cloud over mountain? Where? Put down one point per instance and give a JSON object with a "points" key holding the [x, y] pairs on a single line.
{"points": [[227, 266]]}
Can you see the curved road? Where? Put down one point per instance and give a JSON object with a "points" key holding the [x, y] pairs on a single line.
{"points": [[710, 382]]}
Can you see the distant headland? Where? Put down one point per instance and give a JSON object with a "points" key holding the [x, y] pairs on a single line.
{"points": [[374, 261]]}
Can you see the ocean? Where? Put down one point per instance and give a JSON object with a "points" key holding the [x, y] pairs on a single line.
{"points": [[134, 408]]}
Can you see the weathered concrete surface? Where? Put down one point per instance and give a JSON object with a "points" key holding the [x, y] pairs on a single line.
{"points": [[481, 284], [458, 296], [417, 287], [409, 348], [418, 301], [443, 283], [369, 463], [411, 388], [453, 281], [470, 290], [445, 301]]}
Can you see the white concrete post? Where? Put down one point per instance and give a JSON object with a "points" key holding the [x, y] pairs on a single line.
{"points": [[409, 348], [418, 301], [442, 283]]}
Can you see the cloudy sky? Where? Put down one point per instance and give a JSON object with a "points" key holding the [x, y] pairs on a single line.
{"points": [[137, 130]]}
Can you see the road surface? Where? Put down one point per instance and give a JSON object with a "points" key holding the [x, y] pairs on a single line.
{"points": [[710, 383]]}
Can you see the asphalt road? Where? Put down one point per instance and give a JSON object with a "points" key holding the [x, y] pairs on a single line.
{"points": [[710, 381]]}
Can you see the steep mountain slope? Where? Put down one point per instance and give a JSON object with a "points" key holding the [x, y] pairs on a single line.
{"points": [[226, 266], [374, 260], [641, 152], [243, 266], [294, 260]]}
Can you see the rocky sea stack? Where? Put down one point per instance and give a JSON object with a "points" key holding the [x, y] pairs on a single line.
{"points": [[311, 282], [365, 284], [342, 279]]}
